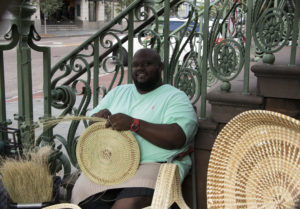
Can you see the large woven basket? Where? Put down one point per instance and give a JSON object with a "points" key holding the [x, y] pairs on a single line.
{"points": [[106, 156], [255, 163]]}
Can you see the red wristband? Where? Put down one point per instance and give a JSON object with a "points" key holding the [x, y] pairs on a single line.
{"points": [[135, 126]]}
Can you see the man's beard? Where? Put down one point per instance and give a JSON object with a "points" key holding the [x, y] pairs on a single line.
{"points": [[149, 85]]}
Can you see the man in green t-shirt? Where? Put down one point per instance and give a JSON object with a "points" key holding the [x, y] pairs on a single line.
{"points": [[161, 118]]}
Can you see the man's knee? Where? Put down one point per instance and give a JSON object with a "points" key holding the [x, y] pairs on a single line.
{"points": [[133, 202]]}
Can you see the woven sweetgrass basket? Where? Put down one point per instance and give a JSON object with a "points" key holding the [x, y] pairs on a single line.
{"points": [[255, 163], [106, 156], [167, 188]]}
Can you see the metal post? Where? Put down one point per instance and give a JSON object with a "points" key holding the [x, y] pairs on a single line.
{"points": [[22, 12], [130, 44], [166, 32], [96, 73], [47, 132], [3, 136], [205, 60], [21, 109], [248, 46], [25, 68], [295, 35]]}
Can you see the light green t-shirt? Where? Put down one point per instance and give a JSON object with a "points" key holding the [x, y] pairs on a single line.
{"points": [[163, 105]]}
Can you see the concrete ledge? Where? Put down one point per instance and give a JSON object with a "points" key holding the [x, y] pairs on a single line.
{"points": [[226, 105], [278, 81]]}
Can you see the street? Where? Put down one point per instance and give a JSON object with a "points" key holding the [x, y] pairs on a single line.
{"points": [[60, 47]]}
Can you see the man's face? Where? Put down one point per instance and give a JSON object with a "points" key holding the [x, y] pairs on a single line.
{"points": [[146, 71]]}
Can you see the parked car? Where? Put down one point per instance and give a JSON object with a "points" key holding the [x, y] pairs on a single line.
{"points": [[174, 24]]}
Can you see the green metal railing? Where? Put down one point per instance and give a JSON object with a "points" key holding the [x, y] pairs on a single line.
{"points": [[194, 56]]}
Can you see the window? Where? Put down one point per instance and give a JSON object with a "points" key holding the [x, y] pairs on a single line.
{"points": [[78, 10]]}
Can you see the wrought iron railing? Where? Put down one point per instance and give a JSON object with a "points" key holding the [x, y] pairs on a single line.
{"points": [[214, 45]]}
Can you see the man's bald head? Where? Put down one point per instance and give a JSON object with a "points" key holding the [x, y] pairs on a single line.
{"points": [[148, 52]]}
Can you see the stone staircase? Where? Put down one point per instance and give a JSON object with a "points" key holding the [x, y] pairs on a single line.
{"points": [[273, 87]]}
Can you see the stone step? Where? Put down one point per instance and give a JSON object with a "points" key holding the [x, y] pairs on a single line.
{"points": [[277, 81], [280, 86], [226, 105], [62, 28]]}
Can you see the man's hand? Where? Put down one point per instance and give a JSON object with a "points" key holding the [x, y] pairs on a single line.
{"points": [[101, 114], [119, 122], [167, 136]]}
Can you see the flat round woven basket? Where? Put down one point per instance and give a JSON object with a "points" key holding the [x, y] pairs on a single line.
{"points": [[106, 156], [255, 163]]}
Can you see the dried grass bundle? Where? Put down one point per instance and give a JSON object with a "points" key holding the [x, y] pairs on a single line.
{"points": [[51, 122], [28, 181], [41, 156]]}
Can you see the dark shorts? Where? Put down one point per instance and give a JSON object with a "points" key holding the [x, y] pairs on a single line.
{"points": [[105, 200]]}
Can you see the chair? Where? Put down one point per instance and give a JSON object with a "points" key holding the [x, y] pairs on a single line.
{"points": [[167, 188], [255, 162], [63, 205]]}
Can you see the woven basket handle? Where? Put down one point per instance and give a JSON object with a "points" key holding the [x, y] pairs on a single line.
{"points": [[167, 188]]}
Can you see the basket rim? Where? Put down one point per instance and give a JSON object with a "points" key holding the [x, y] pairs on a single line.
{"points": [[227, 156], [107, 148]]}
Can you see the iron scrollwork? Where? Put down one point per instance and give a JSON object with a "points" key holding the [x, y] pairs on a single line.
{"points": [[226, 57], [272, 32], [185, 62]]}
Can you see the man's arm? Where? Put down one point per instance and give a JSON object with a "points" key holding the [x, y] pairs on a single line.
{"points": [[167, 136]]}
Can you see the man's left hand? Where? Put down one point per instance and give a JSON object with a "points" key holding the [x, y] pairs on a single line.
{"points": [[119, 122]]}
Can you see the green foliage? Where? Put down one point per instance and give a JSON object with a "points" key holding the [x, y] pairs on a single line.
{"points": [[48, 7], [123, 4]]}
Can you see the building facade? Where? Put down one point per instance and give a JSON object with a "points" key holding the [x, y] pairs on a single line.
{"points": [[88, 14], [93, 14]]}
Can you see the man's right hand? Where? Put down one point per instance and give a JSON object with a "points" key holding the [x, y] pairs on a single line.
{"points": [[101, 114]]}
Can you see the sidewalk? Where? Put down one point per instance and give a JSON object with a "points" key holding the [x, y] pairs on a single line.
{"points": [[38, 102], [53, 34]]}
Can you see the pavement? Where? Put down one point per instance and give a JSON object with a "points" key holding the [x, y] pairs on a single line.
{"points": [[38, 102], [72, 33], [38, 105], [54, 34]]}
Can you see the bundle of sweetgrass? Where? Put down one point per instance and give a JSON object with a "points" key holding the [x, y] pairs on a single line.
{"points": [[54, 121], [28, 180]]}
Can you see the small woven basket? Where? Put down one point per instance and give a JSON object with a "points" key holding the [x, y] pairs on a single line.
{"points": [[255, 163], [106, 156]]}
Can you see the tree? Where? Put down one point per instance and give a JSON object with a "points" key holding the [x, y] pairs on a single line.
{"points": [[123, 4], [48, 7]]}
